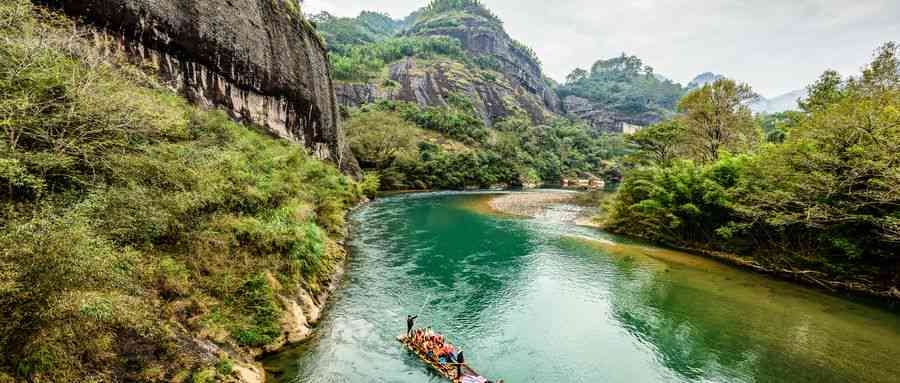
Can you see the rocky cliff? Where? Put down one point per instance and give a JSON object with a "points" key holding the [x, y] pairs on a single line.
{"points": [[603, 120], [482, 36], [258, 59], [430, 83], [500, 76]]}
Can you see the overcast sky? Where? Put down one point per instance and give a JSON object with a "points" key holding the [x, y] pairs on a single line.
{"points": [[775, 45]]}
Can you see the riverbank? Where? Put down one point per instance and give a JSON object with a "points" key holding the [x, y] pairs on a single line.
{"points": [[302, 312], [811, 278], [621, 311], [536, 204]]}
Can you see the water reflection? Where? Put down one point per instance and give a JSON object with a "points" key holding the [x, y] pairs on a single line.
{"points": [[542, 301], [734, 326]]}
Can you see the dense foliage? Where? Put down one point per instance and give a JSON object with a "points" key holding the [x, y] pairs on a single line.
{"points": [[131, 222], [624, 84], [821, 202], [439, 7], [717, 118], [369, 61], [388, 138], [341, 33]]}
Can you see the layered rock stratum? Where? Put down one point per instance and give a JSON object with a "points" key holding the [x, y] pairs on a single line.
{"points": [[258, 59]]}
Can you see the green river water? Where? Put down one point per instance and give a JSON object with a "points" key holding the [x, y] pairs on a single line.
{"points": [[541, 300]]}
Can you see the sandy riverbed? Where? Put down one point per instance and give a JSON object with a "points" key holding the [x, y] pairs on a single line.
{"points": [[538, 204]]}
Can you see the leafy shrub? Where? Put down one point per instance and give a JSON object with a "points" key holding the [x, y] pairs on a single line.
{"points": [[257, 299], [225, 367], [206, 375]]}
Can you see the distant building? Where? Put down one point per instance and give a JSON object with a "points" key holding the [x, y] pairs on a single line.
{"points": [[630, 128]]}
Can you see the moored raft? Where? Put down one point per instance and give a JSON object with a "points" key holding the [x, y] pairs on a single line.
{"points": [[447, 370]]}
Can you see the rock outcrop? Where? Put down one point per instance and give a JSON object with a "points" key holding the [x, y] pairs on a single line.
{"points": [[258, 59], [431, 83], [603, 120], [512, 83], [482, 37]]}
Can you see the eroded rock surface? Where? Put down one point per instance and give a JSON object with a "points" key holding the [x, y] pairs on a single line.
{"points": [[603, 120], [258, 59], [480, 36], [514, 85]]}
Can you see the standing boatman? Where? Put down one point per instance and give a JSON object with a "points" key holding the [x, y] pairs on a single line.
{"points": [[460, 360], [410, 322]]}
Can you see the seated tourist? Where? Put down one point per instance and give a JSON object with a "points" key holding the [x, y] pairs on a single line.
{"points": [[449, 350]]}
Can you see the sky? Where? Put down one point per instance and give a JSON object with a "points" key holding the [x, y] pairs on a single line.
{"points": [[776, 46]]}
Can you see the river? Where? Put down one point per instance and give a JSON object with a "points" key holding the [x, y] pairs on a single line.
{"points": [[540, 300]]}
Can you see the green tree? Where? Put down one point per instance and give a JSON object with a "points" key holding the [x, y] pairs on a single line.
{"points": [[824, 204], [826, 91], [577, 75], [379, 137], [717, 117], [838, 173], [658, 144]]}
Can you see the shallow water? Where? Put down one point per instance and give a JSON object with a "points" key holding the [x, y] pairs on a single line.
{"points": [[544, 301]]}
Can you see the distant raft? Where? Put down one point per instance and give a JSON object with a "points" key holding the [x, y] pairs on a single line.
{"points": [[447, 370]]}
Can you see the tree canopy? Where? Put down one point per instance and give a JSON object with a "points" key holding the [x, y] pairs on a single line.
{"points": [[718, 117], [624, 84], [821, 203]]}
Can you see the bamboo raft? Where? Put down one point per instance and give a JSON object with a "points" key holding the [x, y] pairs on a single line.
{"points": [[447, 370]]}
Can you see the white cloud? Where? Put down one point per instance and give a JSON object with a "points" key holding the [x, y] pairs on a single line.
{"points": [[775, 45]]}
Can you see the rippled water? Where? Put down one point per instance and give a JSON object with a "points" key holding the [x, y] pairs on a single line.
{"points": [[543, 301]]}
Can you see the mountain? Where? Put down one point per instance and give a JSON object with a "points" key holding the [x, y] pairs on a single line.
{"points": [[454, 102], [449, 48], [703, 79], [620, 94], [341, 33], [783, 103]]}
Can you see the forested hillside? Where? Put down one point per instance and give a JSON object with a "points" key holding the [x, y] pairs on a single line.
{"points": [[815, 197], [451, 102], [142, 238], [625, 87]]}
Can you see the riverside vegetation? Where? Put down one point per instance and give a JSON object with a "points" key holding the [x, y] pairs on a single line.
{"points": [[816, 197], [133, 226], [144, 239], [811, 194], [454, 143], [397, 140]]}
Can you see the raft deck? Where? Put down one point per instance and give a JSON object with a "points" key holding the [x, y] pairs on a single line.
{"points": [[447, 370]]}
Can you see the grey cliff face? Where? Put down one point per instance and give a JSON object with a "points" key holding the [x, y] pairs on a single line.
{"points": [[603, 120], [431, 84], [517, 87], [478, 37], [258, 59]]}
